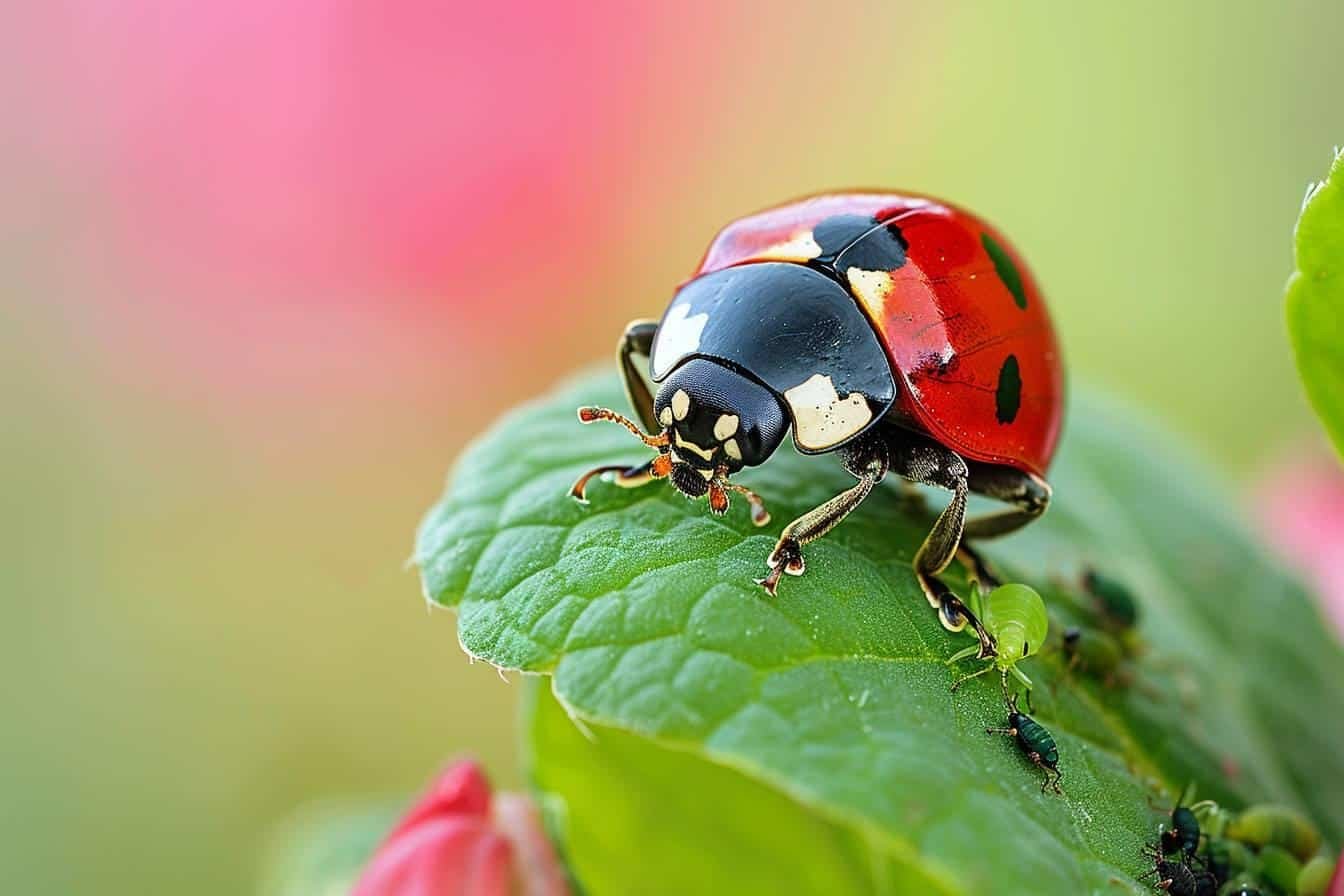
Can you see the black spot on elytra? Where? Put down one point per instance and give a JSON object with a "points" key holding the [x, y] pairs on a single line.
{"points": [[1008, 396], [1004, 267], [856, 241]]}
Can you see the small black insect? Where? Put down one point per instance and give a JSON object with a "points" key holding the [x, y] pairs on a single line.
{"points": [[1035, 742], [1175, 877], [1206, 882]]}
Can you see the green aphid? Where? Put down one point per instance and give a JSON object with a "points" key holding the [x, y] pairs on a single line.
{"points": [[1213, 818], [1279, 868], [1281, 826], [1015, 616], [1240, 888], [1314, 877], [1035, 742]]}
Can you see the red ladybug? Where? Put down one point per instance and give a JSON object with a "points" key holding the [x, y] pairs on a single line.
{"points": [[898, 330]]}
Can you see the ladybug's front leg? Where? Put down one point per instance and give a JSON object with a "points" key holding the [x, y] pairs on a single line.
{"points": [[632, 356], [867, 460], [623, 475]]}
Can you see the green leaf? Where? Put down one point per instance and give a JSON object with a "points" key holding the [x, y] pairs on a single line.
{"points": [[836, 694], [1316, 299], [624, 797]]}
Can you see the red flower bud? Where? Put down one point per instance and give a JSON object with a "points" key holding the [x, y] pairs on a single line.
{"points": [[451, 843]]}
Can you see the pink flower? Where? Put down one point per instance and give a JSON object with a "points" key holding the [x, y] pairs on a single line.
{"points": [[1301, 509], [1337, 882], [457, 841]]}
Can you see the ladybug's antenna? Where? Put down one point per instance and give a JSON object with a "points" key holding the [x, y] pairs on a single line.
{"points": [[591, 415]]}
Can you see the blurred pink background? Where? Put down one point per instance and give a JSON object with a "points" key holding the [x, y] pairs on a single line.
{"points": [[267, 266]]}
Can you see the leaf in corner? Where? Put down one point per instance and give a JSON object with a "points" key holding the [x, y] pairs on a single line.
{"points": [[1316, 299]]}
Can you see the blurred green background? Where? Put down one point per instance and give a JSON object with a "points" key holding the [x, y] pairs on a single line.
{"points": [[267, 268]]}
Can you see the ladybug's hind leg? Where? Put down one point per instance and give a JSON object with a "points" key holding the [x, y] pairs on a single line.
{"points": [[978, 567], [1029, 495], [632, 355]]}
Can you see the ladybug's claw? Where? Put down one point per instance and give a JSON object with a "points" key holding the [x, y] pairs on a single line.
{"points": [[787, 557]]}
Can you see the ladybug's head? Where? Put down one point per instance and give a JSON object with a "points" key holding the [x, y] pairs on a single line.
{"points": [[719, 420], [715, 421]]}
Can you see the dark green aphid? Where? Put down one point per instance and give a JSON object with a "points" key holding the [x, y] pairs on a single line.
{"points": [[1114, 602], [1183, 835], [1094, 652], [1035, 742], [1315, 877], [1262, 826], [1015, 616]]}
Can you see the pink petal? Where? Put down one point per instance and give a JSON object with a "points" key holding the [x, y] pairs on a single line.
{"points": [[439, 858], [536, 864], [461, 790], [1301, 509], [1336, 887]]}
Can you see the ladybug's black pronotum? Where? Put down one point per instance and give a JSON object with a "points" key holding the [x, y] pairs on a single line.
{"points": [[901, 332]]}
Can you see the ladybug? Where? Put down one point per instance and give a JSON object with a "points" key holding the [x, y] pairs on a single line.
{"points": [[897, 330]]}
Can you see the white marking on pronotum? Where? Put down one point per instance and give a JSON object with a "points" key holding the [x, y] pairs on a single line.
{"points": [[666, 417], [821, 417], [725, 426], [730, 448], [678, 336], [681, 404]]}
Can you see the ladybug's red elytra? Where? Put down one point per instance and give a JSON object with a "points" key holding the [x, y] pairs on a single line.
{"points": [[898, 330]]}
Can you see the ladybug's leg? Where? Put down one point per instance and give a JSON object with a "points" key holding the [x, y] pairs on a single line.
{"points": [[979, 569], [926, 462], [632, 354], [623, 475], [866, 459], [1029, 495]]}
